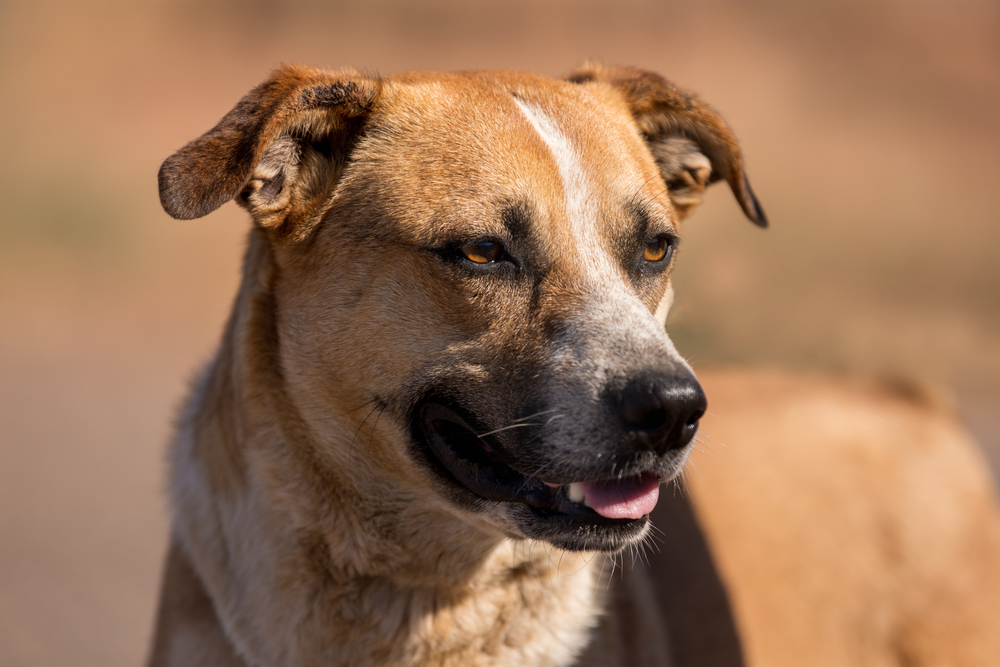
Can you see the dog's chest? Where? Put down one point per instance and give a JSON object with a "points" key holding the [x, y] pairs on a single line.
{"points": [[512, 616]]}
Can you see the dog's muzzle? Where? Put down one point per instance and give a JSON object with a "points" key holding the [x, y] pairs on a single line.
{"points": [[655, 418]]}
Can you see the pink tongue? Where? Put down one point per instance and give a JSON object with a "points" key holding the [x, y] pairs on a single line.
{"points": [[628, 498]]}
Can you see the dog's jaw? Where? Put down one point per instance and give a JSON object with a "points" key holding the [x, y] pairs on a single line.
{"points": [[604, 513]]}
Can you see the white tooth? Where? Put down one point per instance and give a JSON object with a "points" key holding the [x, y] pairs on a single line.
{"points": [[575, 491]]}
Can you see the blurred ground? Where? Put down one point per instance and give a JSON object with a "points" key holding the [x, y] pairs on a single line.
{"points": [[872, 140]]}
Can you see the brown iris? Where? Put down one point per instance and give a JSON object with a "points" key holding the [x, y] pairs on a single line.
{"points": [[656, 249], [483, 252]]}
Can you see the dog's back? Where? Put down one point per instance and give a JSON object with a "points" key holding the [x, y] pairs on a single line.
{"points": [[854, 523]]}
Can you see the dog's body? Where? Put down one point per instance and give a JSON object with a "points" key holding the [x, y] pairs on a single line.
{"points": [[854, 522], [445, 382]]}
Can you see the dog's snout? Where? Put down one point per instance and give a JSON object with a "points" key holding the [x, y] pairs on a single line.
{"points": [[662, 412]]}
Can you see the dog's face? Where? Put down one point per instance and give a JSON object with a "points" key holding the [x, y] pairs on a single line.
{"points": [[483, 260]]}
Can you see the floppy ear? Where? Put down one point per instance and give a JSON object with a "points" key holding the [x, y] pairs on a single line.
{"points": [[280, 150], [691, 143]]}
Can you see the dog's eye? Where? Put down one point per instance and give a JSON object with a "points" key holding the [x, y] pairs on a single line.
{"points": [[658, 249], [482, 252]]}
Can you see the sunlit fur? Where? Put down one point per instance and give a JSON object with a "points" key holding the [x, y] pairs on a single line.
{"points": [[305, 531]]}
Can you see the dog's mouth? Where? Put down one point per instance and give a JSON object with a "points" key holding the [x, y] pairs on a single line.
{"points": [[478, 462]]}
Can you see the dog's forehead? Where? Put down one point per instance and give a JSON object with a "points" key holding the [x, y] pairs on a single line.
{"points": [[462, 148]]}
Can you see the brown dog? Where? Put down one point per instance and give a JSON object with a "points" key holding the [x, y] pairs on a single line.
{"points": [[445, 382]]}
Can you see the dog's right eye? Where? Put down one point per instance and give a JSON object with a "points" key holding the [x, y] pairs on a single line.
{"points": [[482, 252]]}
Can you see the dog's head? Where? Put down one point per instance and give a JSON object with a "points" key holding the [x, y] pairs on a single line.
{"points": [[483, 259]]}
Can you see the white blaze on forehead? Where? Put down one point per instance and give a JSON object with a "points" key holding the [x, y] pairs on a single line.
{"points": [[614, 312], [618, 304], [576, 185]]}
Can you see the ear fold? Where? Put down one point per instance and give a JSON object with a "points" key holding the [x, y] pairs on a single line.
{"points": [[280, 150], [691, 143]]}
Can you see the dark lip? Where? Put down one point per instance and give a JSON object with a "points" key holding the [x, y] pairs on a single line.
{"points": [[477, 464]]}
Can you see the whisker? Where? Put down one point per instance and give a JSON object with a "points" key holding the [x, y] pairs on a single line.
{"points": [[350, 453], [537, 414], [503, 428], [375, 426], [534, 475], [709, 436], [652, 527], [343, 414]]}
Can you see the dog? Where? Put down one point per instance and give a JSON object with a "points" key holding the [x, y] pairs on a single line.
{"points": [[445, 398], [445, 384]]}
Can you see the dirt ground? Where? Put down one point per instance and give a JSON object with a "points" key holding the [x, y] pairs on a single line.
{"points": [[872, 141]]}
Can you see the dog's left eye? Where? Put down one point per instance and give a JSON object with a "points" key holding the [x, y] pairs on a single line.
{"points": [[659, 249], [482, 252]]}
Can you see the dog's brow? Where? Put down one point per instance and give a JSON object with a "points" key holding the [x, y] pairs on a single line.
{"points": [[640, 218], [516, 217]]}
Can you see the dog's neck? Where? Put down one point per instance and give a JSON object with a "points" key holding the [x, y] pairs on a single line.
{"points": [[298, 585]]}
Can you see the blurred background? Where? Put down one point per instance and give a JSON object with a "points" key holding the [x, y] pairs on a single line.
{"points": [[872, 137]]}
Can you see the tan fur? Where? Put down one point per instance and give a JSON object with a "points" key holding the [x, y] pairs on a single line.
{"points": [[855, 524], [307, 529]]}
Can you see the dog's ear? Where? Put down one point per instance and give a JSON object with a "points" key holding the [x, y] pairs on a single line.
{"points": [[691, 143], [279, 151]]}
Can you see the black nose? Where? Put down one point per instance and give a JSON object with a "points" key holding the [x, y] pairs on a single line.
{"points": [[662, 411]]}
